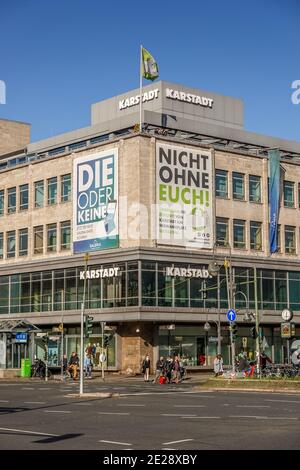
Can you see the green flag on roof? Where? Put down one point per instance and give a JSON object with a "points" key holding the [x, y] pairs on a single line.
{"points": [[149, 65]]}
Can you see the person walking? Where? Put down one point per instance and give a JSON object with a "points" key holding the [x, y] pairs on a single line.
{"points": [[88, 366], [73, 365], [263, 360], [146, 367], [159, 369], [218, 365]]}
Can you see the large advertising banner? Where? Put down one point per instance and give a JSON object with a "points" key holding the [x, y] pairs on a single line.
{"points": [[95, 202], [184, 194]]}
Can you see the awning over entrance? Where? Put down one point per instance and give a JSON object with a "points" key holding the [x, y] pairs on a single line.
{"points": [[14, 326]]}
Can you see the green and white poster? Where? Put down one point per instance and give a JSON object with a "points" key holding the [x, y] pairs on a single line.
{"points": [[184, 194]]}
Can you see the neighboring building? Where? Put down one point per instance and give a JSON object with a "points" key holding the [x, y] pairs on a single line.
{"points": [[14, 136], [149, 305]]}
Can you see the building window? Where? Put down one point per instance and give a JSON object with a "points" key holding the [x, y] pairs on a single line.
{"points": [[254, 188], [38, 234], [1, 245], [65, 188], [239, 233], [288, 194], [51, 237], [2, 202], [24, 195], [222, 235], [11, 244], [298, 197], [255, 236], [52, 191], [23, 242], [11, 200], [221, 183], [39, 194], [238, 186], [65, 235], [290, 239]]}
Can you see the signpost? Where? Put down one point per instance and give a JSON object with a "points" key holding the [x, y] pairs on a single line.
{"points": [[286, 330], [103, 355], [231, 315]]}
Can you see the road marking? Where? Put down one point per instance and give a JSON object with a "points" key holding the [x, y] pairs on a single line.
{"points": [[176, 442], [82, 404], [27, 388], [4, 401], [275, 417], [36, 402], [128, 404], [285, 401], [244, 416], [29, 432], [185, 415], [56, 411], [111, 413], [252, 406], [261, 417], [118, 443], [189, 406], [201, 417], [45, 388]]}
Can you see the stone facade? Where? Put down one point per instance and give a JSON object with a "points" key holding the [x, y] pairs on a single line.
{"points": [[14, 136]]}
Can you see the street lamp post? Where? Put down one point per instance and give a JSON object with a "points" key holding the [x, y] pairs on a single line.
{"points": [[86, 257], [257, 324]]}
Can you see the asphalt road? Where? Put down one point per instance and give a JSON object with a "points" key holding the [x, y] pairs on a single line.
{"points": [[41, 415]]}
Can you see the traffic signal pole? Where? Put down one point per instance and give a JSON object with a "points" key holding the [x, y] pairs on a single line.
{"points": [[257, 324], [230, 302], [81, 375]]}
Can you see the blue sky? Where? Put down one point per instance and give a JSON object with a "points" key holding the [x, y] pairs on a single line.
{"points": [[60, 56]]}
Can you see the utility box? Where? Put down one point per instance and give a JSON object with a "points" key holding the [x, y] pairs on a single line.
{"points": [[25, 368]]}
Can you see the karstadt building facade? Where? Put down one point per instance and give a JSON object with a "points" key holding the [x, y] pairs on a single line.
{"points": [[153, 209]]}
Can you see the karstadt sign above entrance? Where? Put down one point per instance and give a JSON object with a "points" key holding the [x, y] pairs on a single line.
{"points": [[170, 94]]}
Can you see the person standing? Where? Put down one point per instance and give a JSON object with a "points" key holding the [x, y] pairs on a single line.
{"points": [[159, 369], [218, 365], [88, 366], [146, 368]]}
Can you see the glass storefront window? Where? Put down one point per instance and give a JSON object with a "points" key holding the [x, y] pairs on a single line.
{"points": [[25, 293], [70, 289], [197, 292], [132, 288], [59, 289], [4, 294], [148, 287], [165, 290], [181, 289], [35, 292], [46, 291]]}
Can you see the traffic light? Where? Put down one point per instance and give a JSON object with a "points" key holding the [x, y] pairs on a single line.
{"points": [[234, 331], [253, 332], [106, 340], [88, 325]]}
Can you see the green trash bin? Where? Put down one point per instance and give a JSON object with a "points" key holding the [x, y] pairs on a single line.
{"points": [[25, 368]]}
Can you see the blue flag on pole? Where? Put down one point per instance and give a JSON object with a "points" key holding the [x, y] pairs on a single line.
{"points": [[274, 192]]}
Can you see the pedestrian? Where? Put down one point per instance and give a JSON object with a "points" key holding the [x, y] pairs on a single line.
{"points": [[73, 365], [168, 369], [146, 367], [88, 366], [159, 369], [218, 365], [263, 360]]}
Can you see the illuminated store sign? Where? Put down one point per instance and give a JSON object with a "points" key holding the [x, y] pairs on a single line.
{"points": [[189, 98], [100, 273], [135, 100], [187, 272]]}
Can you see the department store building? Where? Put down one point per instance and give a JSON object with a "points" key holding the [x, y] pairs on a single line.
{"points": [[153, 209]]}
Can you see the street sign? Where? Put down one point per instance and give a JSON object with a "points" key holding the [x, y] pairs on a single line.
{"points": [[231, 315], [244, 341], [21, 338], [214, 339]]}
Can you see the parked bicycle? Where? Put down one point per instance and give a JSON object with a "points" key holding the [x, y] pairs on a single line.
{"points": [[38, 369]]}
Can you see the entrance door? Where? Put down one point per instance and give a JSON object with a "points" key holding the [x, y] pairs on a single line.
{"points": [[19, 352], [201, 358]]}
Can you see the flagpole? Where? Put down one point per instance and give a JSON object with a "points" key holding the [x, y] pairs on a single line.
{"points": [[141, 87]]}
